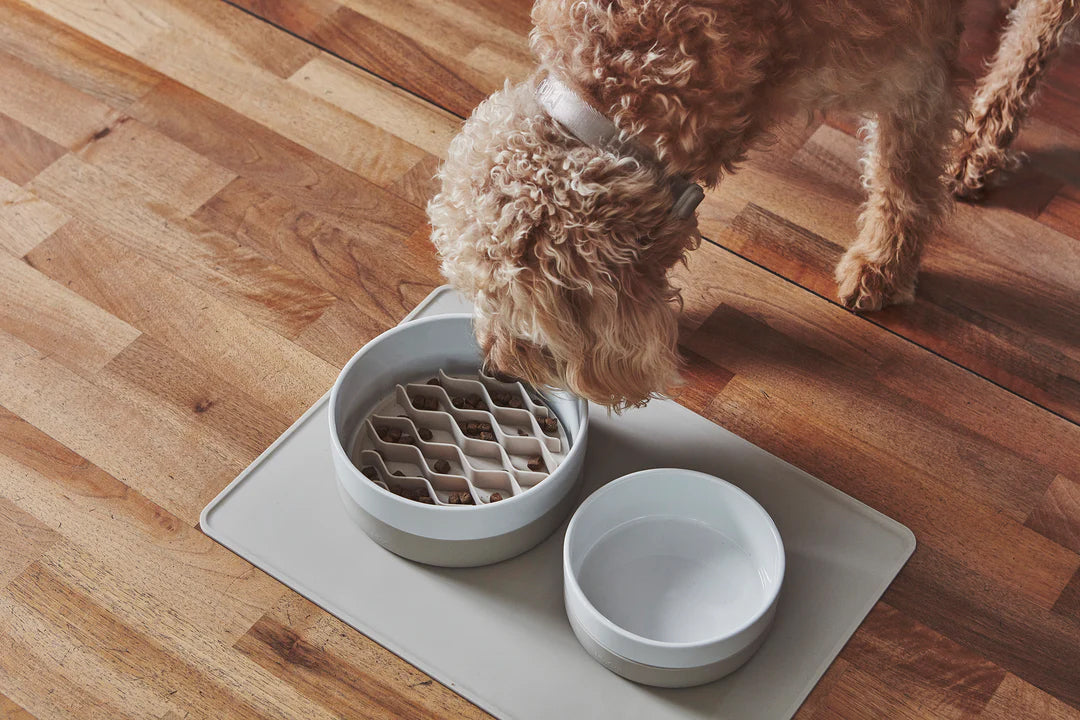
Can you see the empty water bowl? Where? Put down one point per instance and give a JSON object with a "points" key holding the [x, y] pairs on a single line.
{"points": [[671, 576]]}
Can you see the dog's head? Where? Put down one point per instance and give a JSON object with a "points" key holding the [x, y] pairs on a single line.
{"points": [[565, 250]]}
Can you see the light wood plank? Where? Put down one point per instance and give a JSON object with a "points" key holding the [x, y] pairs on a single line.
{"points": [[380, 103], [25, 219], [265, 292], [50, 317]]}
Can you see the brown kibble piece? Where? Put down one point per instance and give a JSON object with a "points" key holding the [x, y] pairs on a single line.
{"points": [[474, 401], [426, 499], [426, 434], [472, 428], [393, 435], [442, 467], [487, 435], [485, 427], [434, 381], [370, 472], [406, 439], [549, 425], [398, 473], [522, 433], [514, 402], [381, 431], [536, 464], [495, 497], [458, 402]]}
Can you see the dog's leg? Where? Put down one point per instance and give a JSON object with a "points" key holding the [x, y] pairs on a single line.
{"points": [[906, 150], [1005, 94]]}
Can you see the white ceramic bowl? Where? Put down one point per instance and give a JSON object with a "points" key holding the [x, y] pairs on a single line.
{"points": [[438, 535], [671, 576]]}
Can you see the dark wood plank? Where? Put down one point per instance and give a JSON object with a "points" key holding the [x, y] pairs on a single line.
{"points": [[1057, 516]]}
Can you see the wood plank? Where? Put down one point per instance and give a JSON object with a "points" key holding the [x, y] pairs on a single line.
{"points": [[25, 219], [1018, 699], [296, 16], [189, 322], [369, 265], [11, 711], [114, 653], [165, 170], [343, 670], [62, 52], [270, 160], [157, 553], [979, 612], [24, 539], [254, 43], [25, 152], [27, 90], [263, 291], [1057, 515], [29, 674], [1068, 603], [399, 58], [384, 106], [213, 411], [124, 25], [322, 678], [112, 433], [55, 320], [922, 665]]}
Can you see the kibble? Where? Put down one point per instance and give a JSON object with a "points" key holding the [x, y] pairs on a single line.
{"points": [[495, 497], [487, 435], [422, 402], [441, 466], [370, 472], [393, 435], [406, 439], [522, 433], [549, 425], [435, 381], [460, 498], [426, 434], [514, 402], [458, 402], [398, 473], [474, 402], [536, 464]]}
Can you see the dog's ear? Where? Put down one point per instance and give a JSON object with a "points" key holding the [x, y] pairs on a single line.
{"points": [[564, 249]]}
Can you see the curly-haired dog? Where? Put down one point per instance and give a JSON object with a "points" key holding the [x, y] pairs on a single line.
{"points": [[567, 198]]}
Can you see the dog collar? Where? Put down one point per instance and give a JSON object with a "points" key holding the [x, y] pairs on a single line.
{"points": [[591, 127]]}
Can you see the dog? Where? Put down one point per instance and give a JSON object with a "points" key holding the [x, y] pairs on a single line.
{"points": [[566, 199]]}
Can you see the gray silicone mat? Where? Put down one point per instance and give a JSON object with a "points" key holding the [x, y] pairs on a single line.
{"points": [[499, 635]]}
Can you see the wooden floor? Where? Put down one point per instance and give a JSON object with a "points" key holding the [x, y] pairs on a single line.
{"points": [[207, 208]]}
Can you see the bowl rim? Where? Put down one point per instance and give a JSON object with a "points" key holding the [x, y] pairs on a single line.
{"points": [[583, 601], [579, 438]]}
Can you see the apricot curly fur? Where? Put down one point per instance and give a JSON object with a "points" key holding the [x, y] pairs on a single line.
{"points": [[566, 249]]}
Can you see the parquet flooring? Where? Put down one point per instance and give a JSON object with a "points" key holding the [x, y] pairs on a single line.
{"points": [[205, 208]]}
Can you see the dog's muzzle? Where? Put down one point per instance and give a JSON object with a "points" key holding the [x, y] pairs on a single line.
{"points": [[591, 127]]}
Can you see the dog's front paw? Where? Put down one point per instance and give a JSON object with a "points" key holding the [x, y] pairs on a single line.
{"points": [[865, 286]]}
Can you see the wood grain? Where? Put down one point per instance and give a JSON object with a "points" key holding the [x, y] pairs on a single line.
{"points": [[207, 207]]}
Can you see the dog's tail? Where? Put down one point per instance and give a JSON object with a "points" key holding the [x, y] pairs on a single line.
{"points": [[1004, 95]]}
